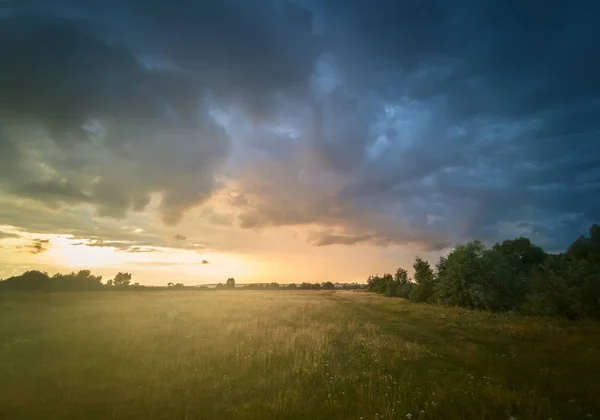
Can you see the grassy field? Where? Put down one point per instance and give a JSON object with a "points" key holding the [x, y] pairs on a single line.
{"points": [[287, 355]]}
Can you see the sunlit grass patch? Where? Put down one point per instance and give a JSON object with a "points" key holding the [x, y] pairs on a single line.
{"points": [[282, 354]]}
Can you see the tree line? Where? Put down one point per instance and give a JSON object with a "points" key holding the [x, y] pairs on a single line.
{"points": [[327, 285], [81, 280], [514, 275]]}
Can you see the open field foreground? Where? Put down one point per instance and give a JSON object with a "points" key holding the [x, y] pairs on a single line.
{"points": [[287, 355]]}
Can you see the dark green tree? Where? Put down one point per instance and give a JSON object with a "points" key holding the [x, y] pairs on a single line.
{"points": [[521, 253], [587, 248], [82, 280], [475, 277], [391, 285], [376, 284], [122, 279], [565, 286], [328, 285], [439, 267], [423, 290], [402, 283], [29, 280]]}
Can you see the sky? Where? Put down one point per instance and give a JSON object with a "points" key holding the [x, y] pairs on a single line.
{"points": [[291, 140]]}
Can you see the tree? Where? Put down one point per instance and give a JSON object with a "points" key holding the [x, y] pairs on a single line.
{"points": [[170, 284], [454, 280], [402, 283], [230, 283], [587, 248], [423, 290], [522, 254], [390, 284], [376, 284], [565, 286], [82, 280], [512, 275], [328, 285], [595, 234], [475, 277], [122, 279], [440, 266], [29, 280]]}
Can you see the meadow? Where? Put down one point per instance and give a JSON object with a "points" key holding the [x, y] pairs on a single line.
{"points": [[287, 355]]}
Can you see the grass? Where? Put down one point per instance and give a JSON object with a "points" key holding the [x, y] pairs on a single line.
{"points": [[287, 355]]}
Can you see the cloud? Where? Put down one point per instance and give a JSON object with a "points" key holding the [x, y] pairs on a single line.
{"points": [[458, 135], [37, 246], [331, 239], [138, 250], [121, 246], [53, 192], [95, 106], [5, 235], [179, 237], [435, 122]]}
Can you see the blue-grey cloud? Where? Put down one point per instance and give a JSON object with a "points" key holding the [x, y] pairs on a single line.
{"points": [[420, 123]]}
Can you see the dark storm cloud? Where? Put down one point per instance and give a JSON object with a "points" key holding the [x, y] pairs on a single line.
{"points": [[53, 191], [137, 80], [482, 120], [412, 122]]}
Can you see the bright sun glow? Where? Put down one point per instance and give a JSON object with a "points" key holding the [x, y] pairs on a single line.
{"points": [[64, 252], [162, 263]]}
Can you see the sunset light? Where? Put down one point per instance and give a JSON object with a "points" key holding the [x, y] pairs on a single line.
{"points": [[299, 209]]}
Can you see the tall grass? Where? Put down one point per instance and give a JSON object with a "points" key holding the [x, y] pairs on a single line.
{"points": [[287, 355]]}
